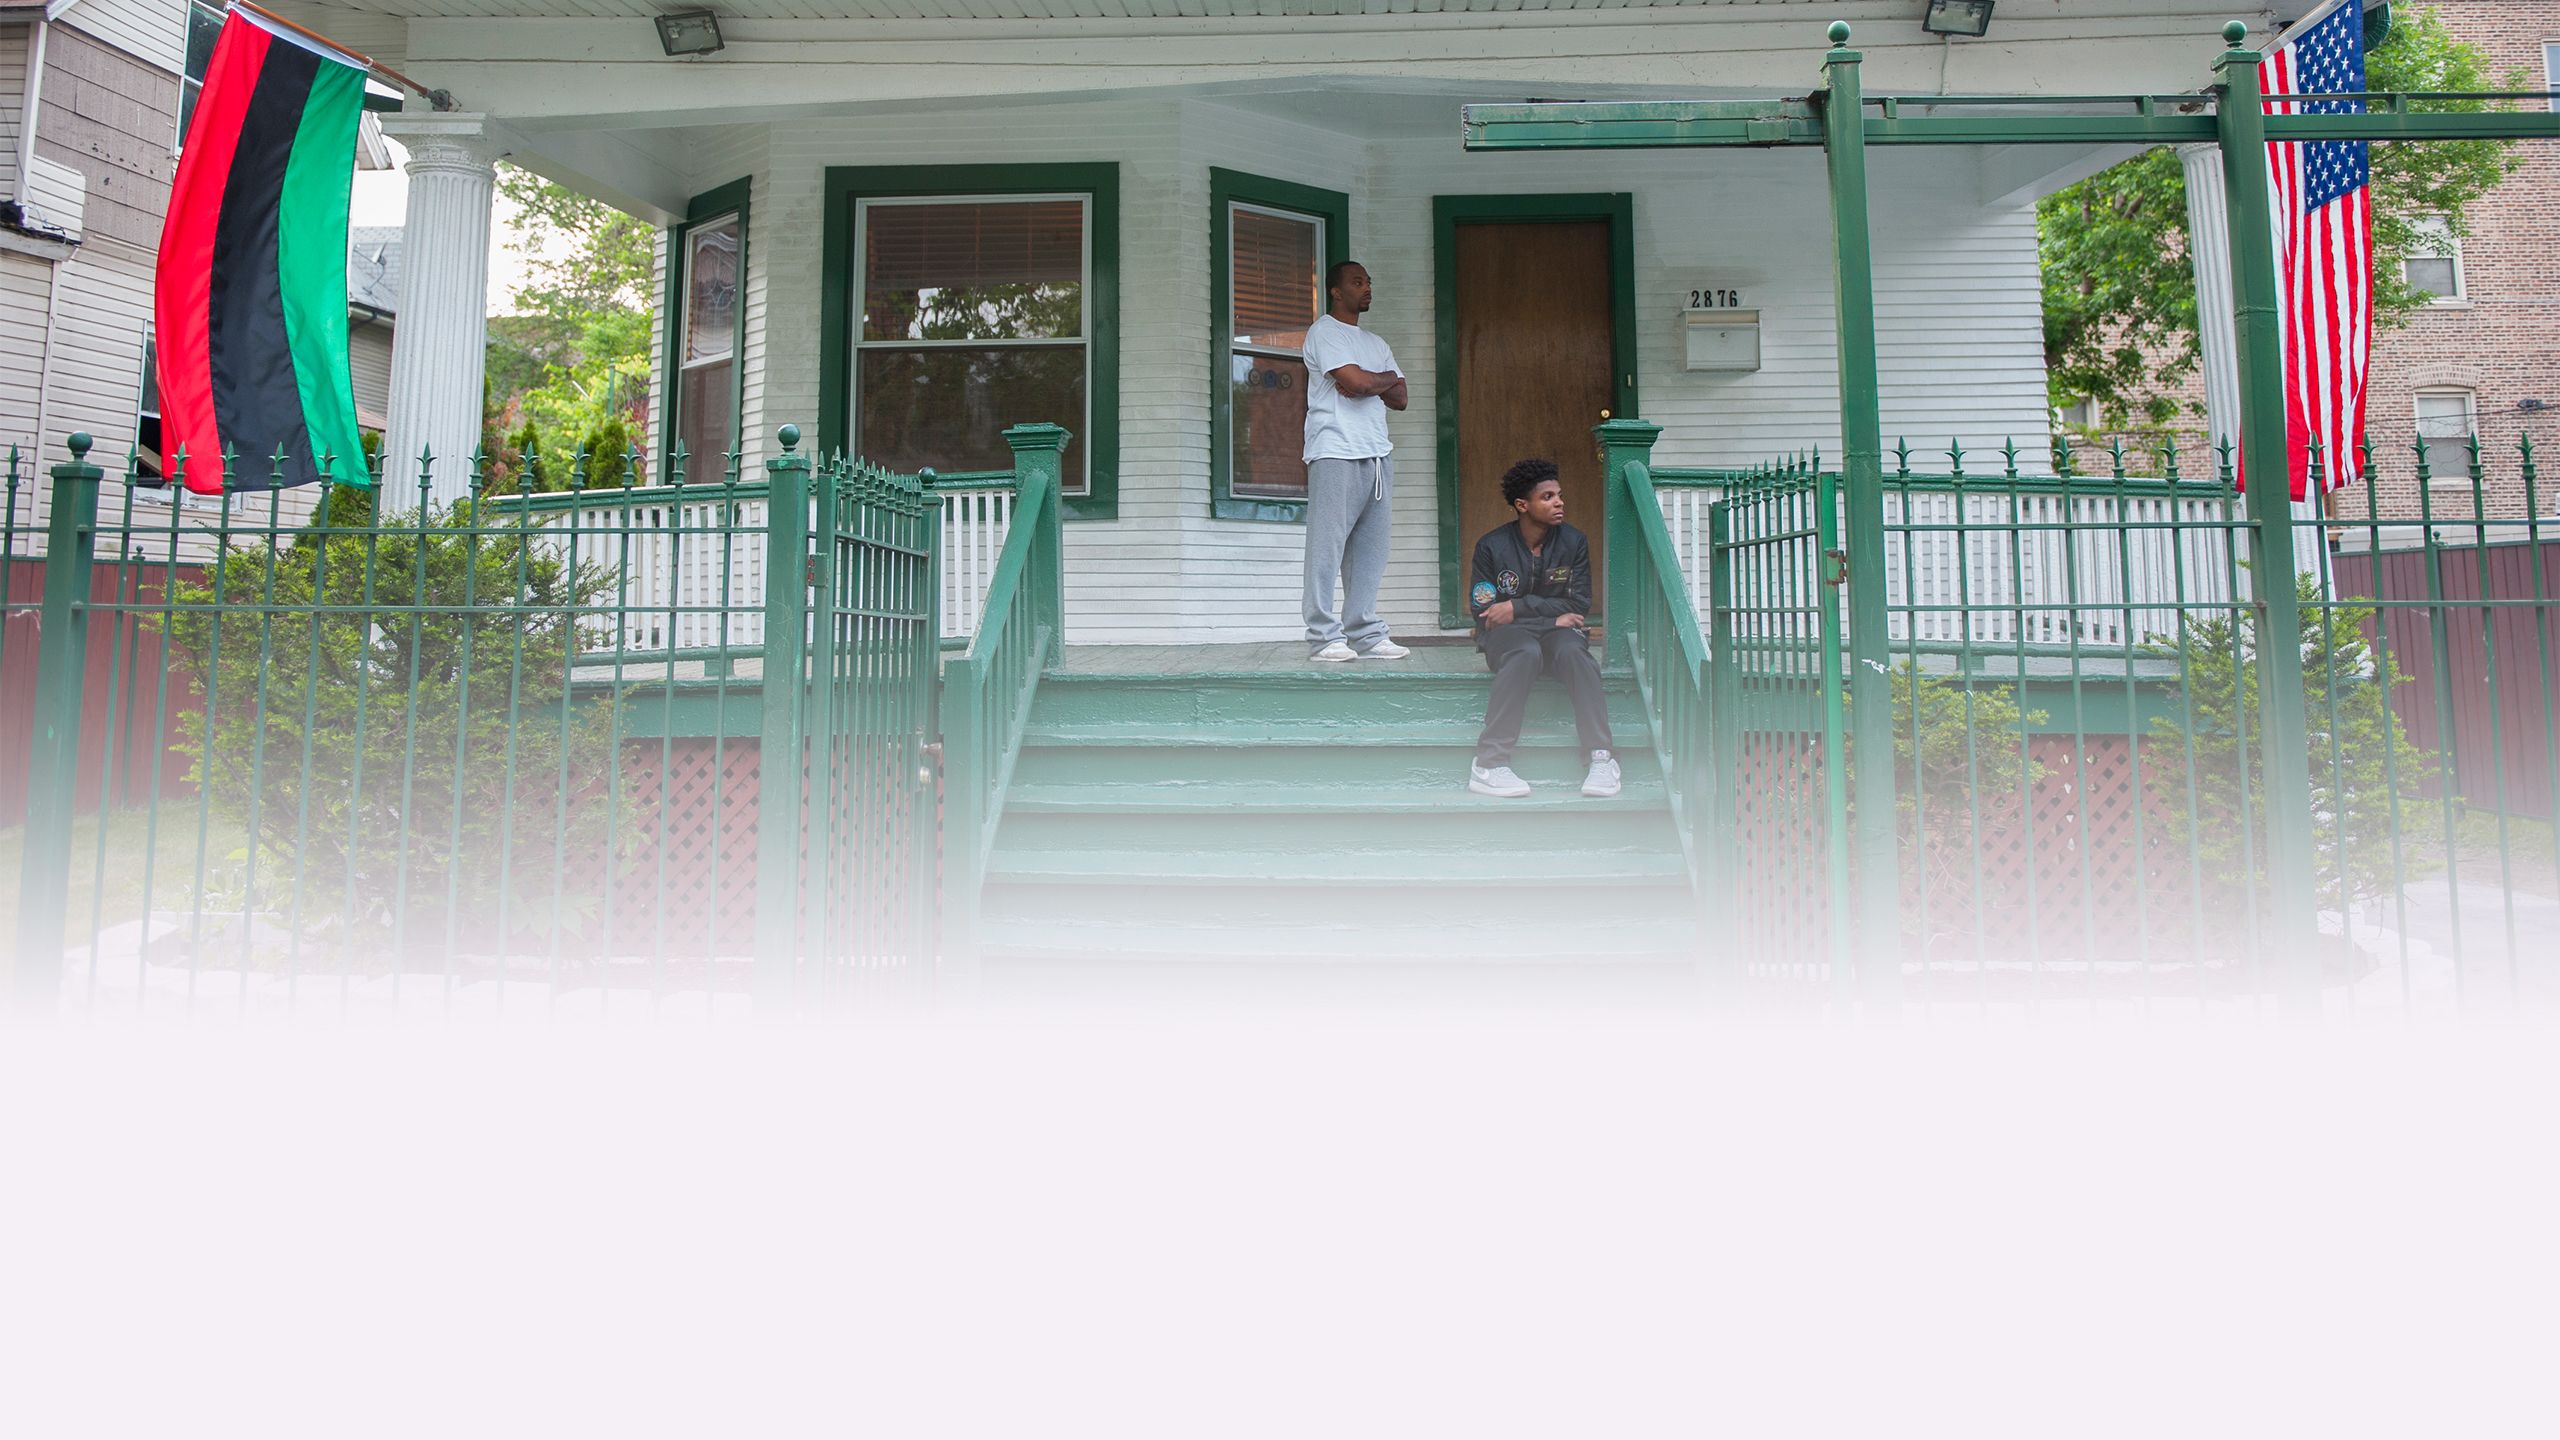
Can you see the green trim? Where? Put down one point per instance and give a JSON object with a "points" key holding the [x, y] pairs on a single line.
{"points": [[713, 204], [1448, 212], [1228, 187], [848, 184]]}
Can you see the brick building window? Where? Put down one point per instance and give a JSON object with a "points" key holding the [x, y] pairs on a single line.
{"points": [[2446, 422], [2434, 265]]}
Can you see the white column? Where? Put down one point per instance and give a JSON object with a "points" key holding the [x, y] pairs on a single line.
{"points": [[440, 340], [2209, 250]]}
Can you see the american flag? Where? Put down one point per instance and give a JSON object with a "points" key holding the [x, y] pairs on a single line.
{"points": [[2323, 206]]}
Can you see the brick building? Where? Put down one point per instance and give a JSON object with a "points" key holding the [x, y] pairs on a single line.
{"points": [[2484, 358]]}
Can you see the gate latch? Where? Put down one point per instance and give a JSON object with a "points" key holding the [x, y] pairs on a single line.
{"points": [[1835, 568]]}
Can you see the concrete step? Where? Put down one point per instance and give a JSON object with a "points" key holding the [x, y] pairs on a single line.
{"points": [[1434, 791], [1553, 729], [1584, 829]]}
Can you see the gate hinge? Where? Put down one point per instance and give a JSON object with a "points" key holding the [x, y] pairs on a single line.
{"points": [[1835, 568]]}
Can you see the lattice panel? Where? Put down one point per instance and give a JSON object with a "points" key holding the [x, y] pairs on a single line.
{"points": [[1780, 838], [2085, 866]]}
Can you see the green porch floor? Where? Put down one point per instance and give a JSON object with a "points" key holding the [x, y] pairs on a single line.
{"points": [[1432, 657]]}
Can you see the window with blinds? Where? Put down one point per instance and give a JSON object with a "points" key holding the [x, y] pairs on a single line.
{"points": [[707, 364], [1275, 285], [2445, 426], [972, 319]]}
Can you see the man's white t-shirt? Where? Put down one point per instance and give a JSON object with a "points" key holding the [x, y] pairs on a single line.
{"points": [[1339, 426]]}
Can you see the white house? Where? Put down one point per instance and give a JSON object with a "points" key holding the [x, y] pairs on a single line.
{"points": [[1138, 195]]}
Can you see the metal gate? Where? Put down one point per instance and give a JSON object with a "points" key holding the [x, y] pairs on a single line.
{"points": [[871, 828], [1775, 671]]}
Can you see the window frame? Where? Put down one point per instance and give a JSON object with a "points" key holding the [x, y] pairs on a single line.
{"points": [[1097, 183], [191, 85], [1228, 189], [2470, 399], [708, 208], [2461, 283]]}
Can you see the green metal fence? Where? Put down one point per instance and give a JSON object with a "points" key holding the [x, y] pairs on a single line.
{"points": [[364, 751], [2088, 805]]}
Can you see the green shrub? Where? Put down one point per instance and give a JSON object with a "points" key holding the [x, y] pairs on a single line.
{"points": [[608, 450], [374, 753], [2361, 766]]}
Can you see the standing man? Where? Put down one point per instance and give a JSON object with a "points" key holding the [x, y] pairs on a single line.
{"points": [[1531, 593], [1352, 382]]}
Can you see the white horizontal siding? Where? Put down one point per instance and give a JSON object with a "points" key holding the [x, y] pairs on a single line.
{"points": [[369, 365], [153, 31], [1958, 313]]}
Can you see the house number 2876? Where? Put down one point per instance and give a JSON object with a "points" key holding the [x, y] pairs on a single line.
{"points": [[1714, 299]]}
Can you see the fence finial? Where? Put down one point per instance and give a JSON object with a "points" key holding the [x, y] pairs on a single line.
{"points": [[80, 443], [789, 435], [1839, 32]]}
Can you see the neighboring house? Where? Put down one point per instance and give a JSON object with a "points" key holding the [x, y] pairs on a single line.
{"points": [[92, 95], [1136, 207], [2483, 359], [373, 300]]}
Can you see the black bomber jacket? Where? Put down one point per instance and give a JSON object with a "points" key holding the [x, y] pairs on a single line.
{"points": [[1540, 587]]}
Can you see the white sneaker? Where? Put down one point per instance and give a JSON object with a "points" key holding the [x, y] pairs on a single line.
{"points": [[1497, 781], [1385, 650], [1337, 651], [1603, 779]]}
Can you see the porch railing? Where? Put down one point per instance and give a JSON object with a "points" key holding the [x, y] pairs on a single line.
{"points": [[988, 688], [2004, 561], [679, 554]]}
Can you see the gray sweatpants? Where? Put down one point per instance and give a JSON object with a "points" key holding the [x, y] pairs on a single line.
{"points": [[1347, 504]]}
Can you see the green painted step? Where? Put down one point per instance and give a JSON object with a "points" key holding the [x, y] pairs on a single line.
{"points": [[1445, 796], [1440, 862], [1278, 771], [1585, 830], [1548, 730], [1082, 700], [1317, 942]]}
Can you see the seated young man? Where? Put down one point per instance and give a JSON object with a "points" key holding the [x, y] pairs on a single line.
{"points": [[1532, 589]]}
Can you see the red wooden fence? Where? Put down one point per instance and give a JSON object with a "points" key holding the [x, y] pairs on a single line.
{"points": [[121, 711], [2500, 736]]}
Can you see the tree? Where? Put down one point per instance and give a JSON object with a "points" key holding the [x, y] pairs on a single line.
{"points": [[2119, 296], [578, 353]]}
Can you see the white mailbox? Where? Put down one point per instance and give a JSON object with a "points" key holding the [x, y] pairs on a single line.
{"points": [[1720, 340]]}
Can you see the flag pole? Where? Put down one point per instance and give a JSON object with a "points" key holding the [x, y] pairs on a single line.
{"points": [[437, 98]]}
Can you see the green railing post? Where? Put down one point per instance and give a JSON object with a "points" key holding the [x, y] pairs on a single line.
{"points": [[1724, 739], [62, 663], [783, 745], [2283, 739], [1623, 443], [1877, 888], [1039, 458]]}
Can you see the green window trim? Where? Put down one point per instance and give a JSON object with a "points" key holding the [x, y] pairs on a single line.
{"points": [[849, 185], [719, 204], [1228, 188], [1448, 212]]}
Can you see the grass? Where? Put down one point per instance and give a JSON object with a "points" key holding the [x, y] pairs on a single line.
{"points": [[113, 893]]}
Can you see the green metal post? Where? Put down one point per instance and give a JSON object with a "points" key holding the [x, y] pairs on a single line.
{"points": [[1872, 842], [62, 664], [2283, 736], [1623, 443], [783, 759], [1040, 451]]}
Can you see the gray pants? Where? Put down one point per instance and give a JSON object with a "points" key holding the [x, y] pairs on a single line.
{"points": [[1517, 655], [1347, 503]]}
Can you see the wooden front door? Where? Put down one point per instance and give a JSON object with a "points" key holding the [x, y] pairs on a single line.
{"points": [[1535, 362]]}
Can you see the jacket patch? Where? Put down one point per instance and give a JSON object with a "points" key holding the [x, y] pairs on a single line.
{"points": [[1482, 594], [1510, 582]]}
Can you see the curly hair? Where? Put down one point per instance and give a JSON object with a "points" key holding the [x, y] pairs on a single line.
{"points": [[1522, 480]]}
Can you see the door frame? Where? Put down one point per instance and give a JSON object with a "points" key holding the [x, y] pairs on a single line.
{"points": [[1448, 212]]}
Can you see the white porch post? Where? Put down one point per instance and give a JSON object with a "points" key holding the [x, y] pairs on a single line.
{"points": [[439, 350], [2209, 250]]}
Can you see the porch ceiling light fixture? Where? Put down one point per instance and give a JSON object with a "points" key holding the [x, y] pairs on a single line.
{"points": [[689, 32], [1958, 17]]}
